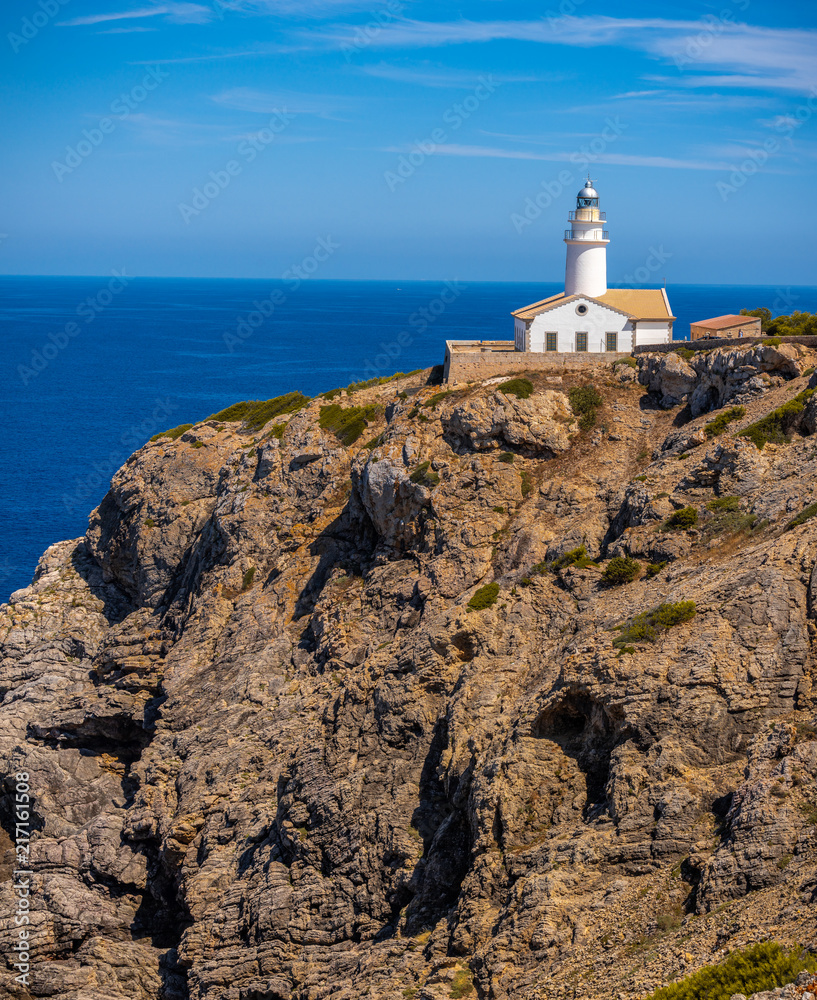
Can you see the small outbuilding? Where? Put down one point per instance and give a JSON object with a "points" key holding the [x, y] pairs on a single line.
{"points": [[726, 328]]}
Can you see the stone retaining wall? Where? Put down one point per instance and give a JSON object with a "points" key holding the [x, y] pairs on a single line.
{"points": [[473, 366], [707, 345]]}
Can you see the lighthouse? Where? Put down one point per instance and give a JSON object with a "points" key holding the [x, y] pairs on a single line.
{"points": [[587, 239], [587, 317]]}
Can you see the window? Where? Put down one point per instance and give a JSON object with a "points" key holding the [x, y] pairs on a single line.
{"points": [[612, 341], [581, 309], [551, 342], [581, 341]]}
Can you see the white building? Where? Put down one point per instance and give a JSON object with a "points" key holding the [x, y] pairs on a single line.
{"points": [[587, 316]]}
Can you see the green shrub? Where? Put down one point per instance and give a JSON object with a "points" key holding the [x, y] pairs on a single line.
{"points": [[248, 578], [277, 431], [753, 970], [507, 457], [484, 598], [174, 434], [199, 444], [254, 413], [149, 522], [374, 443], [370, 383], [621, 569], [347, 423], [527, 483], [773, 341], [423, 476], [686, 517], [519, 387], [809, 371], [576, 557], [805, 515], [647, 626], [729, 503], [584, 402], [723, 420], [438, 397], [653, 569], [778, 425], [462, 985], [332, 394], [685, 353], [733, 522], [630, 362]]}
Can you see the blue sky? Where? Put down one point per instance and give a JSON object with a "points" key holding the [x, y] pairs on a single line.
{"points": [[421, 140]]}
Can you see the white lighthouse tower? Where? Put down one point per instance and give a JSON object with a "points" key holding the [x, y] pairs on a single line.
{"points": [[586, 268]]}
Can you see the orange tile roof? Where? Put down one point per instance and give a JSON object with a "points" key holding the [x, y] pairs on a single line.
{"points": [[640, 303], [528, 312], [723, 322]]}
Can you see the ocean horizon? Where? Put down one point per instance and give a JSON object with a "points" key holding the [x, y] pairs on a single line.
{"points": [[94, 366]]}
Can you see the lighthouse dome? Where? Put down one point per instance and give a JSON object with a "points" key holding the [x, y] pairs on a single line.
{"points": [[588, 191]]}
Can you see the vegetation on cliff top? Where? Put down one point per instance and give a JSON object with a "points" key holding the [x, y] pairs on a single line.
{"points": [[756, 969], [798, 324], [254, 413], [346, 423], [172, 434], [519, 387]]}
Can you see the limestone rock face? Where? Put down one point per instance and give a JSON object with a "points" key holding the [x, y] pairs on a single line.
{"points": [[724, 375], [283, 745], [667, 375], [543, 422]]}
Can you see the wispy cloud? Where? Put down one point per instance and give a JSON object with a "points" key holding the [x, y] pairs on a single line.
{"points": [[747, 56], [429, 75], [269, 102], [290, 8], [125, 31], [181, 12], [615, 159]]}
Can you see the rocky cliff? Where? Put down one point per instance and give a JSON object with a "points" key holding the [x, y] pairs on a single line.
{"points": [[285, 742]]}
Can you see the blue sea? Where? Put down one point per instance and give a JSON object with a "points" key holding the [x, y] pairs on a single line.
{"points": [[92, 367]]}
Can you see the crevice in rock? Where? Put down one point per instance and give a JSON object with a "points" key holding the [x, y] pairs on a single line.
{"points": [[588, 732]]}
